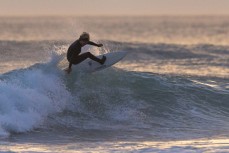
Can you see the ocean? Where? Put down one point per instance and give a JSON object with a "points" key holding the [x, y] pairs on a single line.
{"points": [[169, 94]]}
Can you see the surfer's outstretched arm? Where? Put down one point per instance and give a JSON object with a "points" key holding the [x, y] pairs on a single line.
{"points": [[94, 44]]}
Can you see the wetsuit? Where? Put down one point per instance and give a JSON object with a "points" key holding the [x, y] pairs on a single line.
{"points": [[74, 56]]}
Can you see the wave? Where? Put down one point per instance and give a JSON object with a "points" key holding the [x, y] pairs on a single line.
{"points": [[43, 96], [28, 96]]}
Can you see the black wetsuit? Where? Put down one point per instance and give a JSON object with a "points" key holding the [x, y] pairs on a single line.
{"points": [[74, 56]]}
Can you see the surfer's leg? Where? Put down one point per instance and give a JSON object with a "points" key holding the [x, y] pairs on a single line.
{"points": [[86, 55], [91, 56]]}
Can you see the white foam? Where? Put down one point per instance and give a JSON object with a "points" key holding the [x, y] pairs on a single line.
{"points": [[28, 96]]}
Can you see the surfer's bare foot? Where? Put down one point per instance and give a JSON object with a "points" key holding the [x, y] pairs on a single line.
{"points": [[103, 60]]}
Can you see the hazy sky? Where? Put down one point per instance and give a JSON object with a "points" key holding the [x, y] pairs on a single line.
{"points": [[113, 7]]}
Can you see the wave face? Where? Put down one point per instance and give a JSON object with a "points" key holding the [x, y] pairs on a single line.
{"points": [[43, 97]]}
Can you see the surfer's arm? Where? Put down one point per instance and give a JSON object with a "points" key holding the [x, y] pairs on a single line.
{"points": [[94, 44]]}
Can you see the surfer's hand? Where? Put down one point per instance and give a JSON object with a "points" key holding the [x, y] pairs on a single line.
{"points": [[100, 45], [68, 70]]}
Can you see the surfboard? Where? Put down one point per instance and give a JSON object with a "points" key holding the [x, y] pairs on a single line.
{"points": [[89, 65]]}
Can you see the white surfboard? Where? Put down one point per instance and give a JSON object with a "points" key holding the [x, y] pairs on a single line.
{"points": [[91, 66]]}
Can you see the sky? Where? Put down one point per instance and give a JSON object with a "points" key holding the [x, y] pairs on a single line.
{"points": [[113, 7]]}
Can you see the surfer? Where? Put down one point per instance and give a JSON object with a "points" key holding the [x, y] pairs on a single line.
{"points": [[74, 56]]}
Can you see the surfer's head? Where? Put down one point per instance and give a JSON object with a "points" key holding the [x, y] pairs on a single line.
{"points": [[84, 37]]}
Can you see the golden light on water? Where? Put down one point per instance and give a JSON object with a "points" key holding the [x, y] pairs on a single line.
{"points": [[174, 69], [195, 145]]}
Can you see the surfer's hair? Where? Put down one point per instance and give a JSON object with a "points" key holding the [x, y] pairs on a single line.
{"points": [[85, 36]]}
